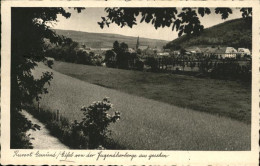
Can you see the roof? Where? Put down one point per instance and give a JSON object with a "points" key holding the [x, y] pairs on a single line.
{"points": [[167, 50], [220, 50], [231, 50], [143, 47], [210, 50], [194, 49], [244, 50], [163, 54], [131, 50]]}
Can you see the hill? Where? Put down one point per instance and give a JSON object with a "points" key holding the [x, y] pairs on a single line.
{"points": [[234, 33], [106, 40]]}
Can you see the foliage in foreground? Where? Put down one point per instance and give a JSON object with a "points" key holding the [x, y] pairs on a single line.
{"points": [[90, 133], [96, 121], [183, 20], [29, 29]]}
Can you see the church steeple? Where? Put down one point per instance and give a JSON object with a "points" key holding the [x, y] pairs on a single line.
{"points": [[137, 43]]}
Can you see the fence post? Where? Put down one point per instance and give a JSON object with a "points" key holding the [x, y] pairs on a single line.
{"points": [[58, 115]]}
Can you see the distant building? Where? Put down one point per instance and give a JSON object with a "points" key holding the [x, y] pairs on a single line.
{"points": [[243, 52], [176, 52], [138, 46], [230, 52], [167, 50], [220, 52], [131, 50], [161, 54], [142, 48], [194, 50]]}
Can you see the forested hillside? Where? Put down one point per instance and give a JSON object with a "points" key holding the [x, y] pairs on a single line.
{"points": [[235, 33]]}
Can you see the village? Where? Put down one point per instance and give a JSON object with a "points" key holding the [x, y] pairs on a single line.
{"points": [[191, 53], [186, 59]]}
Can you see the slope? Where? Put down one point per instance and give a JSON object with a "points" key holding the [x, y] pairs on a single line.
{"points": [[147, 124], [235, 33], [106, 40]]}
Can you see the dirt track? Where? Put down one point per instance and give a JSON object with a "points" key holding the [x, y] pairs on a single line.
{"points": [[42, 138]]}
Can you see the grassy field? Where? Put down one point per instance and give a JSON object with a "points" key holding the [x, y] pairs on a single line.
{"points": [[145, 123], [225, 98]]}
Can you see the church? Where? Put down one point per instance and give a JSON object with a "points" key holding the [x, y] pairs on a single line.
{"points": [[141, 47]]}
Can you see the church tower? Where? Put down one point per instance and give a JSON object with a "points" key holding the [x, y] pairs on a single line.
{"points": [[137, 43]]}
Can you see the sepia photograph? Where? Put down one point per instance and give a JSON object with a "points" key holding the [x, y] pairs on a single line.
{"points": [[132, 78], [105, 78]]}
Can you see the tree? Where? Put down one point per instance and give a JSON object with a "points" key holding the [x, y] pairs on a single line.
{"points": [[116, 47], [81, 57], [183, 20], [110, 58], [123, 47], [29, 30]]}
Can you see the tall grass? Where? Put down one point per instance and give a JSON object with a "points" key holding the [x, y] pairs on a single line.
{"points": [[145, 123], [64, 130], [219, 97]]}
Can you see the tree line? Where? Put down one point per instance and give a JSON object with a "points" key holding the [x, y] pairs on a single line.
{"points": [[68, 51], [120, 57]]}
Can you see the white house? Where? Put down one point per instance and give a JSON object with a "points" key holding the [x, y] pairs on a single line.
{"points": [[230, 52], [243, 51], [131, 50], [163, 54], [224, 52]]}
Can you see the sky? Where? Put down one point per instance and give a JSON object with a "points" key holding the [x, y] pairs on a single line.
{"points": [[86, 21]]}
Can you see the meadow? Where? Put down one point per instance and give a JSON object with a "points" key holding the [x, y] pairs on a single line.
{"points": [[219, 97], [146, 123]]}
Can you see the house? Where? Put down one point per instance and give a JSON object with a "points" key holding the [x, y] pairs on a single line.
{"points": [[143, 48], [131, 50], [166, 50], [243, 52], [176, 52], [230, 52], [161, 54], [220, 52], [194, 51], [156, 49], [208, 51]]}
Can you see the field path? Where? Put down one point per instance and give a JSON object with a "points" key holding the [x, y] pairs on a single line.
{"points": [[146, 123], [42, 138]]}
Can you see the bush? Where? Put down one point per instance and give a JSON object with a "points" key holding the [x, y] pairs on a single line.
{"points": [[153, 63], [232, 70], [90, 133], [139, 65], [96, 121]]}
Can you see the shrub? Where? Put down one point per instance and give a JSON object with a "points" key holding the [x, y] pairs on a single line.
{"points": [[96, 121], [91, 132], [153, 63], [139, 65]]}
